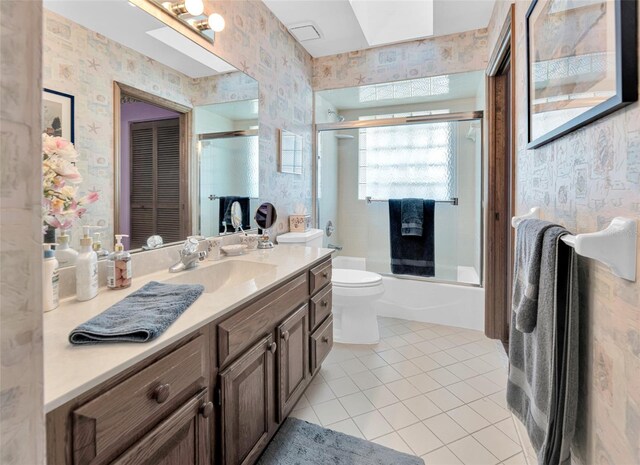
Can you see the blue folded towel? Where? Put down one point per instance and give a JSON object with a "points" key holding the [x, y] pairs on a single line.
{"points": [[141, 316], [412, 217]]}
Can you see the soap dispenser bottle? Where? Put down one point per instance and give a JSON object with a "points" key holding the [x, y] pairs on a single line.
{"points": [[49, 279], [86, 268], [97, 246], [119, 266], [65, 255]]}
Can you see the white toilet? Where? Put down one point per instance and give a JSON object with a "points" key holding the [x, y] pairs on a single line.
{"points": [[354, 318]]}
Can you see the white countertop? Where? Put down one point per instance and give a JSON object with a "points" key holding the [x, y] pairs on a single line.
{"points": [[72, 370]]}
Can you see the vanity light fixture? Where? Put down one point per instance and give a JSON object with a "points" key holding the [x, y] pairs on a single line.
{"points": [[193, 7], [215, 22]]}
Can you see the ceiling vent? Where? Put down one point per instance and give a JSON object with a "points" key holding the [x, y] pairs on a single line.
{"points": [[305, 31]]}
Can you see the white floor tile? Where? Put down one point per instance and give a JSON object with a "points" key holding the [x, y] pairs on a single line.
{"points": [[330, 412], [393, 441], [468, 418], [380, 396], [422, 407], [353, 366], [401, 329], [420, 439], [372, 361], [462, 371], [489, 410], [471, 452], [517, 459], [412, 338], [444, 358], [391, 356], [409, 352], [445, 428], [460, 354], [427, 347], [347, 427], [427, 334], [484, 385], [332, 371], [343, 386], [500, 398], [398, 415], [306, 414], [444, 343], [366, 380], [372, 425], [465, 391], [509, 428], [386, 374], [395, 341], [319, 393], [302, 402], [444, 399], [424, 383], [442, 456], [356, 404], [403, 389], [407, 368], [444, 376], [496, 442], [479, 365], [427, 362]]}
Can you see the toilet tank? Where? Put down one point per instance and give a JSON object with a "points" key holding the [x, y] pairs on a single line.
{"points": [[310, 238]]}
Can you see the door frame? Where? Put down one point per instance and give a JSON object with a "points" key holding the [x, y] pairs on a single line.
{"points": [[188, 169], [500, 183]]}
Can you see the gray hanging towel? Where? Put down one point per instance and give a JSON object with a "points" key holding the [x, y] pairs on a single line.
{"points": [[412, 255], [542, 388], [412, 217], [141, 316]]}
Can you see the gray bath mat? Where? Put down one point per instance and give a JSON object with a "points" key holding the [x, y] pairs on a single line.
{"points": [[302, 443]]}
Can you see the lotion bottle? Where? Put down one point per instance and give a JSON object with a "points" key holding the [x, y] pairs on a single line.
{"points": [[65, 255], [119, 266], [86, 268], [49, 279]]}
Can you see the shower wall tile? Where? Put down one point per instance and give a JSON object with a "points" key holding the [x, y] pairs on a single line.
{"points": [[583, 180], [21, 393]]}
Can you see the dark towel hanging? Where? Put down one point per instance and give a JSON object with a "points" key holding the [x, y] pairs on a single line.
{"points": [[412, 255]]}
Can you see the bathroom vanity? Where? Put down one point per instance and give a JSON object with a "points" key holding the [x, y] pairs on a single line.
{"points": [[214, 388]]}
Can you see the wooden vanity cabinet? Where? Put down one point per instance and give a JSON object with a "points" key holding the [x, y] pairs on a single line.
{"points": [[216, 397]]}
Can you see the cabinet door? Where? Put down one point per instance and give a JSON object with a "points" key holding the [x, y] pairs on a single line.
{"points": [[248, 403], [293, 359], [181, 439]]}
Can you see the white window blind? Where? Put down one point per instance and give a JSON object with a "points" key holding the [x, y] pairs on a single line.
{"points": [[413, 160]]}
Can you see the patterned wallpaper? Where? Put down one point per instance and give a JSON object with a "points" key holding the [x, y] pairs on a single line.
{"points": [[21, 414], [582, 181], [455, 53]]}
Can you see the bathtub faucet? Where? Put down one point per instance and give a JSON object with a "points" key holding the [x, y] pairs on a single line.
{"points": [[335, 247]]}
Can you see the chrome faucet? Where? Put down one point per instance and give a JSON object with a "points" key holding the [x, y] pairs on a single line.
{"points": [[194, 250], [335, 247]]}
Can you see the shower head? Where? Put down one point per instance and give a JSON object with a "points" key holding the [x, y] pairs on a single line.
{"points": [[335, 113]]}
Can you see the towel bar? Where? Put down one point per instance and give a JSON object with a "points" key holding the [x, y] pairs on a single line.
{"points": [[615, 246]]}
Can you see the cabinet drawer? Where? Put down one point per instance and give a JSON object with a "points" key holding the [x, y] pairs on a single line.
{"points": [[113, 420], [320, 276], [321, 343], [320, 307], [240, 331]]}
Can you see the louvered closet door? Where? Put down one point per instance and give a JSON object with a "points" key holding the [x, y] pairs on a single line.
{"points": [[155, 181]]}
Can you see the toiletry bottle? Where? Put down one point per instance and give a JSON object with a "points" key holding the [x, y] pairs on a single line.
{"points": [[119, 266], [49, 279], [65, 255], [97, 246], [86, 268]]}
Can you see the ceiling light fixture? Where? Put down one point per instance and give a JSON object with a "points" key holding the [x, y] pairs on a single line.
{"points": [[193, 7]]}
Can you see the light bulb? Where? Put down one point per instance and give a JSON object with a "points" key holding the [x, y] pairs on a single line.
{"points": [[194, 7], [216, 22]]}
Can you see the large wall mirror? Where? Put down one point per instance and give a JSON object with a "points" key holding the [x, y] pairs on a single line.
{"points": [[166, 132]]}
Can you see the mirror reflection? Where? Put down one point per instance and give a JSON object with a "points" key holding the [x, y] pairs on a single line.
{"points": [[166, 133]]}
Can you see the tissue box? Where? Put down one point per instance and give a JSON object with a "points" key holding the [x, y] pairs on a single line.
{"points": [[299, 223]]}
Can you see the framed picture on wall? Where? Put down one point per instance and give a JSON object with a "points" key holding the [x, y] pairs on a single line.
{"points": [[581, 63], [57, 114]]}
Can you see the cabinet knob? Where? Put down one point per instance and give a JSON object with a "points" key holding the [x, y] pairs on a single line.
{"points": [[272, 347], [285, 335], [161, 393], [325, 339], [324, 303], [325, 275], [206, 409]]}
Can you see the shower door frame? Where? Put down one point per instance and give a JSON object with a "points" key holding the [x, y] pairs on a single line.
{"points": [[403, 121]]}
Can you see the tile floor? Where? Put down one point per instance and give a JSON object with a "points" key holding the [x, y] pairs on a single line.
{"points": [[429, 390]]}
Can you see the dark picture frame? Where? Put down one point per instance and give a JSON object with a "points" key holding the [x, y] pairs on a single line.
{"points": [[626, 73], [58, 114]]}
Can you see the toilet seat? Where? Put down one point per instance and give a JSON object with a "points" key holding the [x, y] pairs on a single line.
{"points": [[354, 278]]}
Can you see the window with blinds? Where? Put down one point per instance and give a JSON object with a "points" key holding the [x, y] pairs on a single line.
{"points": [[155, 181], [412, 160]]}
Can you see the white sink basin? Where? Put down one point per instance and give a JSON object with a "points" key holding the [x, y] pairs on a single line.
{"points": [[226, 274]]}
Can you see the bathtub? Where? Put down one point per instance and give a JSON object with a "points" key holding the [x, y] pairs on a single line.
{"points": [[429, 302]]}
